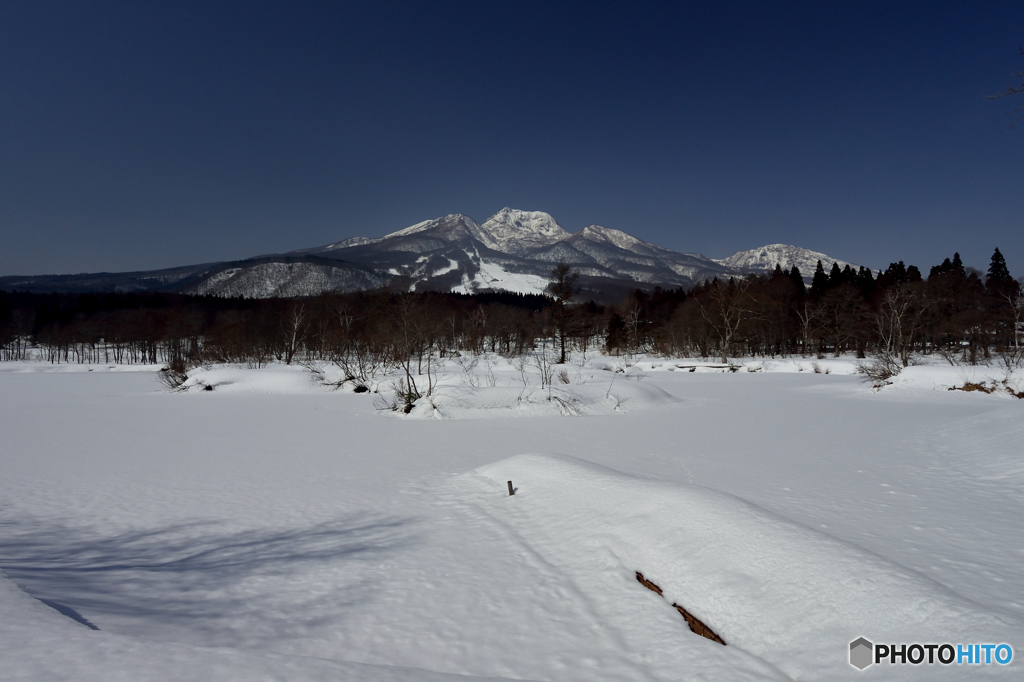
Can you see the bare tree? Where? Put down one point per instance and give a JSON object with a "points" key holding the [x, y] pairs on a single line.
{"points": [[842, 313], [634, 322], [898, 320], [295, 323], [414, 329], [725, 310], [361, 351], [1015, 301], [1014, 89], [562, 287]]}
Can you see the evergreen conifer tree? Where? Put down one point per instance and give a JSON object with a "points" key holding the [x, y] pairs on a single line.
{"points": [[835, 276], [798, 280], [998, 280], [997, 270], [865, 281], [615, 334], [562, 285], [896, 273], [958, 265], [940, 269], [849, 276], [819, 284]]}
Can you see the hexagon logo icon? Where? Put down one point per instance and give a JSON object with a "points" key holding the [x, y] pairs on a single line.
{"points": [[862, 653]]}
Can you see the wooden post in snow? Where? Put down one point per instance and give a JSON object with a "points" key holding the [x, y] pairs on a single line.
{"points": [[511, 490]]}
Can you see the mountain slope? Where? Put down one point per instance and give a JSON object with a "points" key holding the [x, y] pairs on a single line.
{"points": [[513, 250], [283, 278], [763, 259]]}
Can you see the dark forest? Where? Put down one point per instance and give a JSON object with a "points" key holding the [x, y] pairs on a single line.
{"points": [[962, 314]]}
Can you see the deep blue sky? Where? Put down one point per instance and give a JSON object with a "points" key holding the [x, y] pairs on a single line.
{"points": [[143, 135]]}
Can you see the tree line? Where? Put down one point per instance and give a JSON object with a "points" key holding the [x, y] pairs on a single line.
{"points": [[957, 312]]}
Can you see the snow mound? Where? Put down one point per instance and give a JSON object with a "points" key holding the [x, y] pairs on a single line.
{"points": [[779, 591], [933, 377], [594, 398], [273, 378]]}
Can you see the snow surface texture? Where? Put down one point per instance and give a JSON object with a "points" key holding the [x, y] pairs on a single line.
{"points": [[778, 590], [38, 643], [275, 529]]}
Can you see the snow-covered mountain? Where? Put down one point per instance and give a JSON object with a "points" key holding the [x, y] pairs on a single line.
{"points": [[512, 231], [508, 231], [513, 250], [764, 259], [283, 279]]}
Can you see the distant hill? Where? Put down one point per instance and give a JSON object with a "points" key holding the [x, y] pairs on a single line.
{"points": [[763, 259]]}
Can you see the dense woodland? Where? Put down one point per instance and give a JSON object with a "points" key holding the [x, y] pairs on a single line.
{"points": [[962, 314]]}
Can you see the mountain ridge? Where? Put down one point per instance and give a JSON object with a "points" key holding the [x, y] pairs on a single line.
{"points": [[513, 250], [764, 258]]}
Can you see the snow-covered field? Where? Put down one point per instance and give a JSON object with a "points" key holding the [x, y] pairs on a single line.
{"points": [[275, 529]]}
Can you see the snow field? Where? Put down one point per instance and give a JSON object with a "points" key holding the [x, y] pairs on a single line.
{"points": [[274, 528], [777, 590], [493, 276], [462, 394], [40, 644]]}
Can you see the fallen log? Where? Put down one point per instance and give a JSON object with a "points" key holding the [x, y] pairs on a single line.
{"points": [[695, 623]]}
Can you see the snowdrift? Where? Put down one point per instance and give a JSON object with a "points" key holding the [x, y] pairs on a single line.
{"points": [[594, 398], [788, 595], [992, 379], [451, 399], [274, 378]]}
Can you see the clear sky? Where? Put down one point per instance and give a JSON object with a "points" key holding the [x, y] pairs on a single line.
{"points": [[140, 135]]}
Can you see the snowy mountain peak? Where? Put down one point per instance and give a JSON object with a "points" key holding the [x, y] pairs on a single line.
{"points": [[612, 236], [352, 241], [514, 231], [451, 218], [764, 259]]}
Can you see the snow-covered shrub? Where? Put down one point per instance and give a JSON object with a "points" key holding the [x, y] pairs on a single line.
{"points": [[880, 369], [174, 375]]}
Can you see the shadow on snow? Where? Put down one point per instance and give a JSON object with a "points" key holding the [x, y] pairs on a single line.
{"points": [[189, 575]]}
